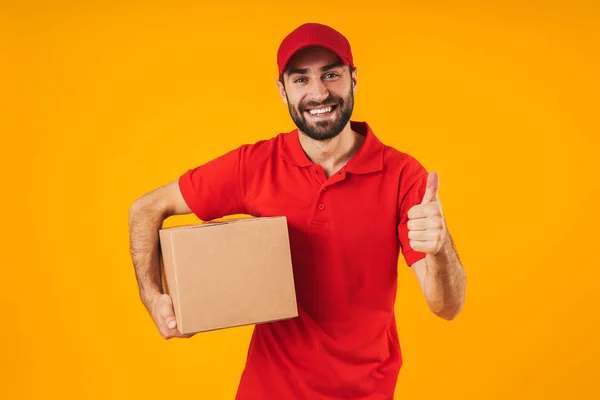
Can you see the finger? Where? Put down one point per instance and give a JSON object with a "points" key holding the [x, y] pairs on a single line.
{"points": [[417, 211], [431, 210], [424, 211], [420, 224], [169, 333], [422, 236], [164, 330], [425, 247], [166, 313], [175, 333], [431, 192], [424, 224]]}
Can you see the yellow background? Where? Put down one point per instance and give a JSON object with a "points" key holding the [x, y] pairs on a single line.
{"points": [[102, 102]]}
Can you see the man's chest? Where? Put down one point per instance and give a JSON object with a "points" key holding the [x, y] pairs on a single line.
{"points": [[354, 209]]}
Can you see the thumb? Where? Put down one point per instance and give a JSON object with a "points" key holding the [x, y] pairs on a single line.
{"points": [[431, 192], [166, 313]]}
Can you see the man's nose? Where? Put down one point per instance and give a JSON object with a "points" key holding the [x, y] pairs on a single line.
{"points": [[318, 90]]}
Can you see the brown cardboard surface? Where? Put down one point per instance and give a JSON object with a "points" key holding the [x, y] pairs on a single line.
{"points": [[222, 274]]}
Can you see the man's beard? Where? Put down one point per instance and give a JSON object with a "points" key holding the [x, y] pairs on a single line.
{"points": [[326, 129]]}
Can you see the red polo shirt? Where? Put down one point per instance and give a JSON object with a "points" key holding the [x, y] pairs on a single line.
{"points": [[346, 234]]}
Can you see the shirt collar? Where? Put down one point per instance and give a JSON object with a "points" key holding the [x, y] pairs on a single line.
{"points": [[369, 158]]}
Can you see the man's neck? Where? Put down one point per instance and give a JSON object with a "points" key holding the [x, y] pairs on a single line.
{"points": [[334, 153]]}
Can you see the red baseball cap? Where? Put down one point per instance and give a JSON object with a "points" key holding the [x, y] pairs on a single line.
{"points": [[313, 34]]}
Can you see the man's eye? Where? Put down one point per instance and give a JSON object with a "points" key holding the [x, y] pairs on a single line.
{"points": [[299, 80], [330, 75]]}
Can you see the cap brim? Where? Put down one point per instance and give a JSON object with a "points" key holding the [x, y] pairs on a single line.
{"points": [[306, 46]]}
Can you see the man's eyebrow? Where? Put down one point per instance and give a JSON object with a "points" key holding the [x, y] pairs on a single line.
{"points": [[332, 66], [303, 71]]}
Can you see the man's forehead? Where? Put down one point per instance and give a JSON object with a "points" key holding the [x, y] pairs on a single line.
{"points": [[313, 57]]}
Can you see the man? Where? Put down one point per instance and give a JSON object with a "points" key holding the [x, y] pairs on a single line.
{"points": [[352, 204]]}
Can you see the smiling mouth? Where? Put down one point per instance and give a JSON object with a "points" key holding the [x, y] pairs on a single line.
{"points": [[324, 110]]}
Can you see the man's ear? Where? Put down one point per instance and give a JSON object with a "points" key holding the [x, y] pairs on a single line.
{"points": [[281, 91], [354, 79]]}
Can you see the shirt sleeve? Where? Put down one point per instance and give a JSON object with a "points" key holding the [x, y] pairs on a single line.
{"points": [[408, 198], [214, 189]]}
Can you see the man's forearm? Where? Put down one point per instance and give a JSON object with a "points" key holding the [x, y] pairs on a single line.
{"points": [[145, 220], [445, 281]]}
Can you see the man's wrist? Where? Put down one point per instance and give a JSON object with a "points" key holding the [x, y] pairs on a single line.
{"points": [[437, 263], [148, 296], [443, 252]]}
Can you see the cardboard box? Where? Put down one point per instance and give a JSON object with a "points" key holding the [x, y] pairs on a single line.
{"points": [[228, 273]]}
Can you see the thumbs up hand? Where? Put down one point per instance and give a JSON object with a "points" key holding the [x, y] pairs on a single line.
{"points": [[426, 226]]}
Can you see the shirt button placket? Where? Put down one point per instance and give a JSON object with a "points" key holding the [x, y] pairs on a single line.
{"points": [[321, 206], [319, 217]]}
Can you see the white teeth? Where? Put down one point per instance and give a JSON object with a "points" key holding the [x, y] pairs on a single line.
{"points": [[320, 110]]}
